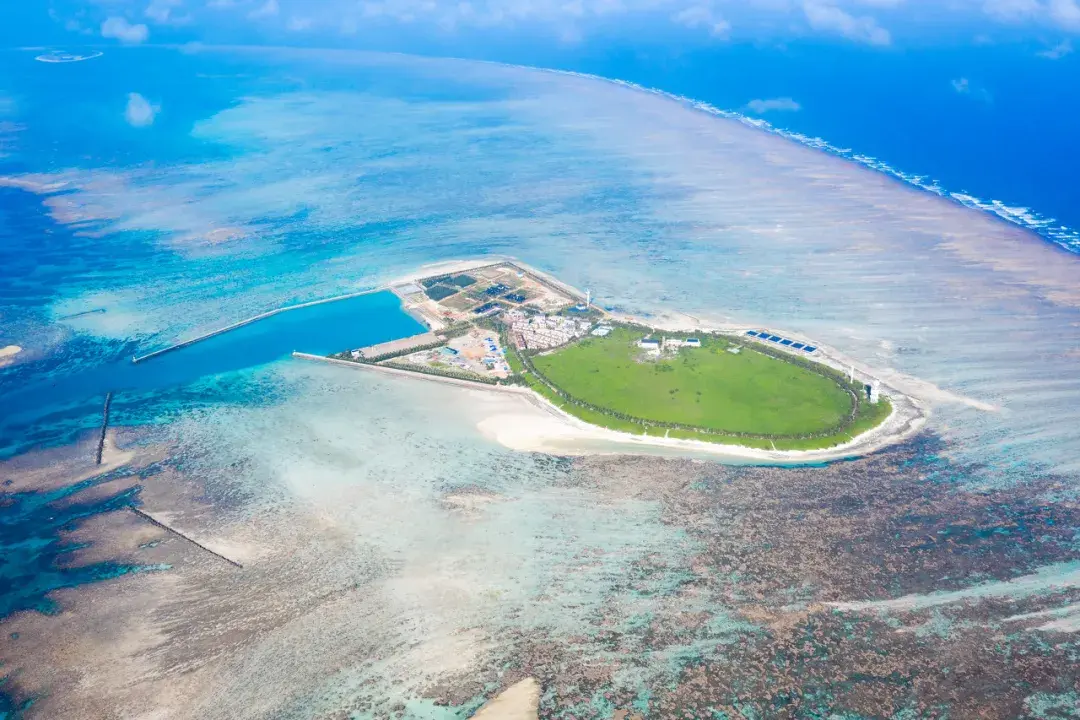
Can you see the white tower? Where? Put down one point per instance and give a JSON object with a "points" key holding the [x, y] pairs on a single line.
{"points": [[851, 374], [588, 298]]}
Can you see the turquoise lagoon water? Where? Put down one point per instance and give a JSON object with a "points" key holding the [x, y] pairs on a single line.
{"points": [[340, 171], [48, 407]]}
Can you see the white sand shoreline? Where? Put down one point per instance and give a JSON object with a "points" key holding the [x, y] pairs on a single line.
{"points": [[537, 425], [563, 434]]}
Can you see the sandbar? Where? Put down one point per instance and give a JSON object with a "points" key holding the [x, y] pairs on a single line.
{"points": [[520, 701], [8, 353]]}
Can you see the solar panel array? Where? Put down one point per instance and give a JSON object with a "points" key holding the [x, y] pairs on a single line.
{"points": [[762, 335]]}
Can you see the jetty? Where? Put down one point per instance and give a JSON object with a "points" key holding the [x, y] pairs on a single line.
{"points": [[389, 370], [84, 313], [154, 521], [104, 427]]}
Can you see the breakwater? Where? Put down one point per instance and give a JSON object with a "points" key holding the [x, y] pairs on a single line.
{"points": [[393, 348], [154, 521], [250, 320], [474, 384], [104, 427], [84, 313]]}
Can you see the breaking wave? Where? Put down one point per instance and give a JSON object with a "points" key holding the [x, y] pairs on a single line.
{"points": [[59, 56]]}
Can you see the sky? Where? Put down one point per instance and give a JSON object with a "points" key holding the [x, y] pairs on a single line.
{"points": [[464, 24]]}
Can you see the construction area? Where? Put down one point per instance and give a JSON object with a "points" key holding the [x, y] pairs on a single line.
{"points": [[443, 300], [478, 352]]}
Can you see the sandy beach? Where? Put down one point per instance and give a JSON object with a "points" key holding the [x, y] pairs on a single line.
{"points": [[525, 421], [539, 426]]}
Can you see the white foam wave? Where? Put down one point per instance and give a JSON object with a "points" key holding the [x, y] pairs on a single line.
{"points": [[1048, 228], [57, 56]]}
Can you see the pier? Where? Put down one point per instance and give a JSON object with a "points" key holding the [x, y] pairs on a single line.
{"points": [[262, 316], [104, 427], [154, 521]]}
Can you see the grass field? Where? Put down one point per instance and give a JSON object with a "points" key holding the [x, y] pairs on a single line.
{"points": [[705, 387]]}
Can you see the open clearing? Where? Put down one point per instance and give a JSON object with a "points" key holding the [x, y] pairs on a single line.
{"points": [[706, 387]]}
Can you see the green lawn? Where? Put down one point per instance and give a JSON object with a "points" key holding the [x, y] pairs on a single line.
{"points": [[706, 387]]}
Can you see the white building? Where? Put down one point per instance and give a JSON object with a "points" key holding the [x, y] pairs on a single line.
{"points": [[546, 331], [676, 343]]}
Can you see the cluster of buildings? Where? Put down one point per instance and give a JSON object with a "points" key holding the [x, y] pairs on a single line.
{"points": [[495, 358], [541, 332], [655, 347]]}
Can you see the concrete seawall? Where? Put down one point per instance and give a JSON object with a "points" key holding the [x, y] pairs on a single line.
{"points": [[248, 321], [154, 521], [104, 427], [400, 345], [415, 375]]}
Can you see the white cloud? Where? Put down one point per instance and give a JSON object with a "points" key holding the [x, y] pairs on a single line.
{"points": [[834, 20], [1012, 11], [703, 16], [781, 104], [1065, 14], [140, 112], [267, 9], [122, 30], [865, 21], [160, 11], [298, 24], [1057, 52], [963, 86]]}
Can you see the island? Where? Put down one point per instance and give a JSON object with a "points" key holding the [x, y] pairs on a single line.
{"points": [[509, 326]]}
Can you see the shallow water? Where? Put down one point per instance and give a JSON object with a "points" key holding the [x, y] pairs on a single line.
{"points": [[389, 527], [57, 399]]}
